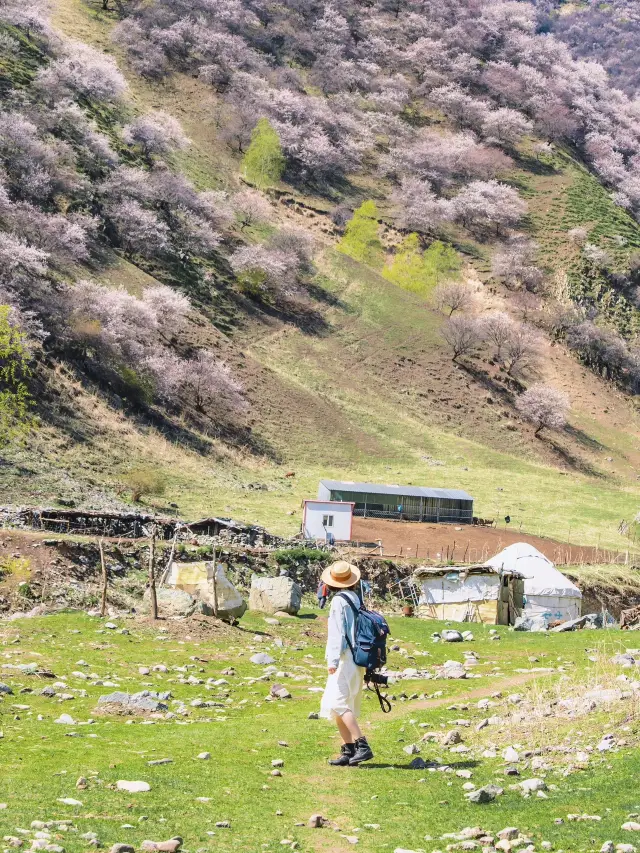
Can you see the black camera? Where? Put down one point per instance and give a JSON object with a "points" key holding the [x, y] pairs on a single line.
{"points": [[376, 678]]}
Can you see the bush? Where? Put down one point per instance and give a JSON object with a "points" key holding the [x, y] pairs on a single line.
{"points": [[287, 557], [144, 481]]}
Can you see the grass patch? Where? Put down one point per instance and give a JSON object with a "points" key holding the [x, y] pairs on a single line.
{"points": [[243, 733]]}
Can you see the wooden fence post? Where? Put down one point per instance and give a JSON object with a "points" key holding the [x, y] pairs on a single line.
{"points": [[215, 584], [152, 574], [103, 566]]}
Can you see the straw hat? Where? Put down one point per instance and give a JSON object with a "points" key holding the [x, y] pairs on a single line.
{"points": [[341, 575]]}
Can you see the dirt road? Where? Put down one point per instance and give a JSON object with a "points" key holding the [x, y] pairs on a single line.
{"points": [[464, 543]]}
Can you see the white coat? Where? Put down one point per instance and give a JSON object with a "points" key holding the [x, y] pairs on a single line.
{"points": [[344, 687]]}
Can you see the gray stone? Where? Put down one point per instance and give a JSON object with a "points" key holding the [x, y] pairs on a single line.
{"points": [[625, 660], [4, 688], [145, 700], [275, 595], [531, 786], [262, 659], [133, 787], [452, 669], [452, 636], [171, 602], [484, 795]]}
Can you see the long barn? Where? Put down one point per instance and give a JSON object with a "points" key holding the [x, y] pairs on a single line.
{"points": [[412, 503]]}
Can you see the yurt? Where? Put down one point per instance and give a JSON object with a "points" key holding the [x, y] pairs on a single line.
{"points": [[547, 592]]}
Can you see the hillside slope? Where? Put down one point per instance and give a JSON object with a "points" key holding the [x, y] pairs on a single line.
{"points": [[352, 378]]}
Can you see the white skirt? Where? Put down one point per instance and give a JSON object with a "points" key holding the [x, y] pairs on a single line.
{"points": [[344, 689]]}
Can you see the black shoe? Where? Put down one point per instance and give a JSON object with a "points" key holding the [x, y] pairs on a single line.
{"points": [[346, 754], [362, 752]]}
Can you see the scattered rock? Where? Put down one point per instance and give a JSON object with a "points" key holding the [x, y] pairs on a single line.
{"points": [[170, 846], [262, 659], [133, 787], [452, 738], [451, 636], [510, 754], [531, 786], [486, 794]]}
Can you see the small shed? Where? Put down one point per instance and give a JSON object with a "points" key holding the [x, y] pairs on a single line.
{"points": [[327, 520], [547, 592], [469, 594]]}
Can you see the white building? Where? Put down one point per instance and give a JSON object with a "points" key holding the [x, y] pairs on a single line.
{"points": [[327, 520]]}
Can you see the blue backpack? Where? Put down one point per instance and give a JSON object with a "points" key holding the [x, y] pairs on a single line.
{"points": [[371, 631]]}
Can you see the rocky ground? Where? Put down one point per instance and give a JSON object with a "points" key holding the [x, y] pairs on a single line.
{"points": [[195, 735]]}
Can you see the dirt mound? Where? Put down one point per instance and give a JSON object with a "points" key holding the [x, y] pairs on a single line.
{"points": [[464, 543]]}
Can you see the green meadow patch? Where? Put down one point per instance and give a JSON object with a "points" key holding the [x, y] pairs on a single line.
{"points": [[384, 805]]}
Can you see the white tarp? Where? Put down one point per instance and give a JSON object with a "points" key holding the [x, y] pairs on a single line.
{"points": [[450, 589], [546, 590]]}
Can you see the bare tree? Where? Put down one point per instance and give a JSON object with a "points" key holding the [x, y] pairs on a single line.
{"points": [[498, 329], [543, 406], [520, 349], [463, 334], [452, 296]]}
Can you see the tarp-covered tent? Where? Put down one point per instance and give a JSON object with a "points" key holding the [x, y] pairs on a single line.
{"points": [[469, 594], [547, 592]]}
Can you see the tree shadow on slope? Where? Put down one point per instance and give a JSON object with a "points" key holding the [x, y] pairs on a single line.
{"points": [[572, 460], [534, 165], [55, 408]]}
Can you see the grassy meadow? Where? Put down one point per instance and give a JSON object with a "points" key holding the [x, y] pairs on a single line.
{"points": [[380, 806]]}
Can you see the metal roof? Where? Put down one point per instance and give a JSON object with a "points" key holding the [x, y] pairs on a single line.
{"points": [[401, 491]]}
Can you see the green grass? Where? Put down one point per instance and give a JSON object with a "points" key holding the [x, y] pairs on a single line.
{"points": [[41, 763]]}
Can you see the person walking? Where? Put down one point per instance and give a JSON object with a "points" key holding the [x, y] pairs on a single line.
{"points": [[323, 594], [345, 683]]}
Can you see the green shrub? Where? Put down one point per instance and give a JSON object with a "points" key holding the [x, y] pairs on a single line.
{"points": [[360, 240], [264, 162], [418, 271], [144, 481], [290, 556], [15, 400]]}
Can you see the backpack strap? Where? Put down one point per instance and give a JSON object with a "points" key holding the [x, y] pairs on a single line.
{"points": [[347, 598], [356, 610]]}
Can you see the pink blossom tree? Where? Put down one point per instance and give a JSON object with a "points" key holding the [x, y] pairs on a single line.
{"points": [[488, 203], [156, 134], [544, 407]]}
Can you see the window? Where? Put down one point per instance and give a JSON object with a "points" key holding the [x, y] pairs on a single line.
{"points": [[327, 521]]}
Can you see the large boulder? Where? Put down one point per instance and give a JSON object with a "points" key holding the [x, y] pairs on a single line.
{"points": [[231, 605], [270, 595], [171, 602], [196, 579]]}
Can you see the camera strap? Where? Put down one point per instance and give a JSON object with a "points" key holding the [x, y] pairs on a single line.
{"points": [[385, 704]]}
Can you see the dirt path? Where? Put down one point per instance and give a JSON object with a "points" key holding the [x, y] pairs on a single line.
{"points": [[480, 692], [465, 543]]}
